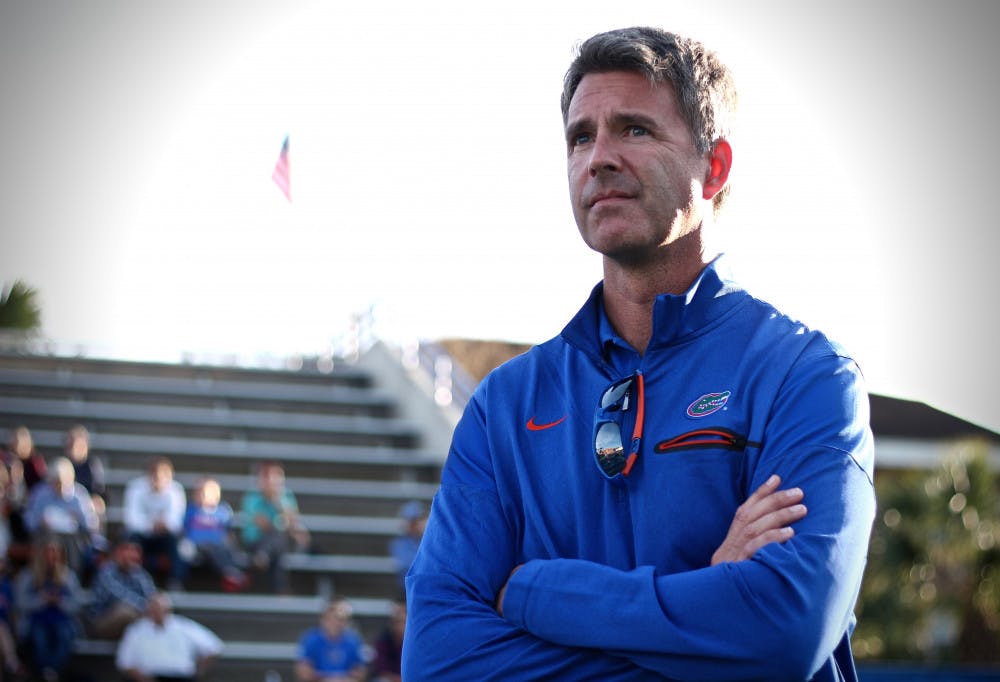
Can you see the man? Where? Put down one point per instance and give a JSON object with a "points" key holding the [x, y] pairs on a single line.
{"points": [[624, 502], [403, 547], [332, 652], [121, 591], [89, 468], [154, 516], [163, 647]]}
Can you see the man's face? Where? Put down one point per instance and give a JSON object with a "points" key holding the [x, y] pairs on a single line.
{"points": [[128, 555], [158, 608], [21, 443], [77, 447], [333, 621], [272, 480], [634, 171], [160, 477]]}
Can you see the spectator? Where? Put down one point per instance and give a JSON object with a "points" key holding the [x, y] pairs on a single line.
{"points": [[208, 532], [389, 647], [331, 652], [25, 461], [62, 510], [48, 599], [121, 590], [154, 517], [8, 651], [163, 646], [271, 524], [403, 548], [26, 467], [89, 469], [7, 500]]}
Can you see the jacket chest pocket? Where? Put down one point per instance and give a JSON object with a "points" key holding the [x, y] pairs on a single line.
{"points": [[697, 480], [706, 438]]}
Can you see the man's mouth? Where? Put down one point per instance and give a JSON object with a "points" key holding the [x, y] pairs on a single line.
{"points": [[608, 196]]}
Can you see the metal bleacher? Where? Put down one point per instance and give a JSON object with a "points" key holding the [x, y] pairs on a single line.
{"points": [[356, 442]]}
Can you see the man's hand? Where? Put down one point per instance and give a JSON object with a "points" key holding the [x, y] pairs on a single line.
{"points": [[764, 518], [503, 590]]}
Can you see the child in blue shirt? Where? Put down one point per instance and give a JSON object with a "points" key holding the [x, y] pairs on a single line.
{"points": [[208, 525]]}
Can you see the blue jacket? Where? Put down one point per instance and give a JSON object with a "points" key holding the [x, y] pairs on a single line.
{"points": [[616, 582]]}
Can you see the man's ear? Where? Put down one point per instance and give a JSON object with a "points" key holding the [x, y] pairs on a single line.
{"points": [[720, 160]]}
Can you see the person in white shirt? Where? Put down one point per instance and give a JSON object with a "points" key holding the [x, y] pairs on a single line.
{"points": [[154, 518], [165, 647]]}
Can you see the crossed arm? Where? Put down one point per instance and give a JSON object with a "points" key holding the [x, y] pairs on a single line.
{"points": [[779, 615], [766, 516]]}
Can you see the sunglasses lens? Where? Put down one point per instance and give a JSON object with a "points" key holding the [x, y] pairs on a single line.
{"points": [[613, 411], [609, 448], [615, 395]]}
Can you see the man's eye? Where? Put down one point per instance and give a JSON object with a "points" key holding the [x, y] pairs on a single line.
{"points": [[636, 131], [578, 139]]}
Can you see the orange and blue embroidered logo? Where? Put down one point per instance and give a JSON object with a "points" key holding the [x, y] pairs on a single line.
{"points": [[707, 404]]}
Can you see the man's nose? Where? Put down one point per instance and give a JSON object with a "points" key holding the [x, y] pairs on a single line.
{"points": [[604, 155]]}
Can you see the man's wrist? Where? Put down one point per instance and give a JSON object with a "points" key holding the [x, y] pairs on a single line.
{"points": [[504, 604]]}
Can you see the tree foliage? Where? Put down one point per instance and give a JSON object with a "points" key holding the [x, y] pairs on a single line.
{"points": [[19, 309], [932, 586]]}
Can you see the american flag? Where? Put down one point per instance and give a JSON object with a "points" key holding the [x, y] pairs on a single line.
{"points": [[281, 175]]}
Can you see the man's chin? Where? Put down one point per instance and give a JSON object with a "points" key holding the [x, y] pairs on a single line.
{"points": [[630, 258], [619, 241]]}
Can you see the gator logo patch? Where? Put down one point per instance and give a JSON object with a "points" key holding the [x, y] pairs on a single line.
{"points": [[708, 404]]}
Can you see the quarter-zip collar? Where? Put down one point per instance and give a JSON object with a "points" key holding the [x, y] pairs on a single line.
{"points": [[676, 317]]}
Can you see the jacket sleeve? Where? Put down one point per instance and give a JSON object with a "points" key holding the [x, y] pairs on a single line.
{"points": [[777, 616], [453, 631]]}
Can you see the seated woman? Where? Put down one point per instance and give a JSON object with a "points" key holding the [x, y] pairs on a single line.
{"points": [[47, 599]]}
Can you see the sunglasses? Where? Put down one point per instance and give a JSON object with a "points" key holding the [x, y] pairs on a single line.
{"points": [[609, 445]]}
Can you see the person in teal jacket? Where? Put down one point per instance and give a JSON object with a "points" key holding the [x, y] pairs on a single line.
{"points": [[271, 524], [679, 485]]}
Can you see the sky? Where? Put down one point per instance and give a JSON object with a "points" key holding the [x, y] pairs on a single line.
{"points": [[428, 174]]}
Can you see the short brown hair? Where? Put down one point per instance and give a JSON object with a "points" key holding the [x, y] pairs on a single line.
{"points": [[703, 85]]}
